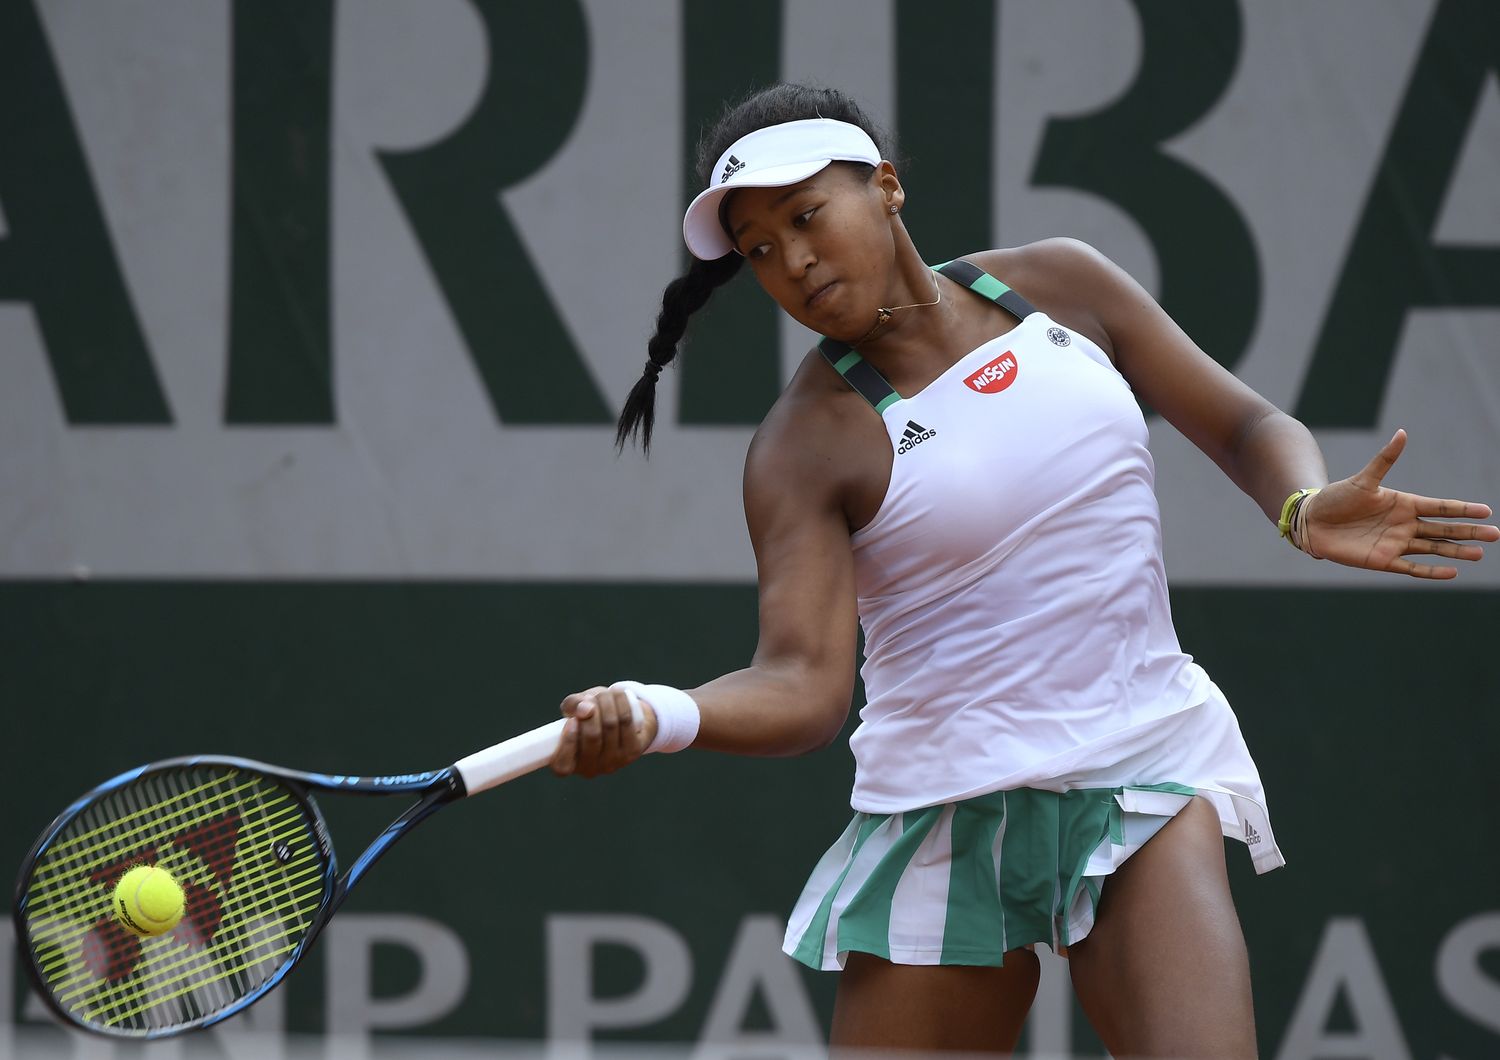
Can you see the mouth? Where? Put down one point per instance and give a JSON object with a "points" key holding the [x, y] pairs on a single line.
{"points": [[820, 295]]}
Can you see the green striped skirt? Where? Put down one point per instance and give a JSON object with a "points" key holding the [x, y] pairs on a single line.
{"points": [[964, 882]]}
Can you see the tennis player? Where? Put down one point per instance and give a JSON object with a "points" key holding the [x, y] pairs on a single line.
{"points": [[962, 468]]}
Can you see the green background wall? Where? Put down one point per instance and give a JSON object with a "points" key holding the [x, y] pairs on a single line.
{"points": [[1368, 713]]}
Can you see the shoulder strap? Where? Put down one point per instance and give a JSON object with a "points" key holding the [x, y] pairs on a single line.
{"points": [[859, 373], [867, 381], [986, 286]]}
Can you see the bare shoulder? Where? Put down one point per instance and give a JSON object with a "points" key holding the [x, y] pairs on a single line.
{"points": [[1049, 266], [1076, 284], [807, 449], [1069, 280]]}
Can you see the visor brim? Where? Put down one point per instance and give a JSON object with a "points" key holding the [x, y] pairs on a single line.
{"points": [[701, 231]]}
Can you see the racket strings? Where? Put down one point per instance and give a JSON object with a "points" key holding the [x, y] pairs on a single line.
{"points": [[302, 878], [189, 972], [248, 857], [62, 884], [184, 810]]}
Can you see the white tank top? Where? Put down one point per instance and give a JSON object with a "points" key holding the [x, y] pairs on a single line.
{"points": [[1011, 586]]}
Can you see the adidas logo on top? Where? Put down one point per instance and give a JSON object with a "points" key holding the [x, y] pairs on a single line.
{"points": [[914, 435], [733, 166], [1251, 835]]}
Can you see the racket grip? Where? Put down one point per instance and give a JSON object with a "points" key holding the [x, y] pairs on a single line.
{"points": [[509, 759]]}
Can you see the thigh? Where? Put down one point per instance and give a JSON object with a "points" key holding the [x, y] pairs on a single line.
{"points": [[933, 1007], [1164, 971]]}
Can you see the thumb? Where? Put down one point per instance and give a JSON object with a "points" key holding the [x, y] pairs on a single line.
{"points": [[1375, 471]]}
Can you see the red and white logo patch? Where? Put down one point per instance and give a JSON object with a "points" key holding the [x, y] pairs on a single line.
{"points": [[995, 376]]}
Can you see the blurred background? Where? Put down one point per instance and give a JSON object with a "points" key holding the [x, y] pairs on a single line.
{"points": [[314, 320]]}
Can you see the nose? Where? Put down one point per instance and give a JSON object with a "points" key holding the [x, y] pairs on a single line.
{"points": [[800, 256]]}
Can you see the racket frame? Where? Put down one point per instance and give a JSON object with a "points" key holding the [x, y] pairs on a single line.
{"points": [[477, 772], [435, 789]]}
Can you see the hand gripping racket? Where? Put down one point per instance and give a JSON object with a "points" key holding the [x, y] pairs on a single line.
{"points": [[249, 848]]}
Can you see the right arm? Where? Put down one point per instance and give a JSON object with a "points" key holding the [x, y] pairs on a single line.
{"points": [[795, 694]]}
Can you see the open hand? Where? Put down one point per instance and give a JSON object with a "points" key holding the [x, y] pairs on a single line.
{"points": [[1360, 523], [606, 729]]}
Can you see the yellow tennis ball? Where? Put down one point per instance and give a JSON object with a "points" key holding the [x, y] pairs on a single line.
{"points": [[148, 901]]}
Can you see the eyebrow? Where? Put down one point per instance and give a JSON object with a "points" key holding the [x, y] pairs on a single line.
{"points": [[783, 197]]}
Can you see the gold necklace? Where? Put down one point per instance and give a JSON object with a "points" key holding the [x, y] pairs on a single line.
{"points": [[883, 314]]}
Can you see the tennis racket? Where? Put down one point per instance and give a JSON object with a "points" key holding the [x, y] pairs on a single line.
{"points": [[250, 849]]}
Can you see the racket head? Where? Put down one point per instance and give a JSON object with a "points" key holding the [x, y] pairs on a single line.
{"points": [[250, 849]]}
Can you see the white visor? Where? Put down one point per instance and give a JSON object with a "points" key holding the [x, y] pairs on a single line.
{"points": [[772, 157]]}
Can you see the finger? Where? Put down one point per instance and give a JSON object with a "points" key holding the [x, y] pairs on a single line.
{"points": [[570, 704], [590, 734], [1422, 570], [637, 709], [1446, 549], [647, 730], [565, 758], [614, 720], [1442, 508], [1457, 531], [1381, 462], [633, 712]]}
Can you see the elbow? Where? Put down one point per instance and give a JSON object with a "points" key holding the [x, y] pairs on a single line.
{"points": [[829, 718], [824, 738], [820, 722], [1234, 447], [806, 708]]}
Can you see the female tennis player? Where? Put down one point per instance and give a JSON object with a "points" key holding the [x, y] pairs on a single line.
{"points": [[961, 467]]}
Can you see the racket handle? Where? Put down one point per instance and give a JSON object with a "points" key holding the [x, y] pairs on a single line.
{"points": [[509, 759]]}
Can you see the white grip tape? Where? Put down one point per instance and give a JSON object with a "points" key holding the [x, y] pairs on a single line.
{"points": [[510, 759]]}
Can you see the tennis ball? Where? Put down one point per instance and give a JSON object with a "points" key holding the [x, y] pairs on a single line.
{"points": [[148, 901]]}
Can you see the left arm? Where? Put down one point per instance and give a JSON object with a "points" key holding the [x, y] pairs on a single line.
{"points": [[1268, 454]]}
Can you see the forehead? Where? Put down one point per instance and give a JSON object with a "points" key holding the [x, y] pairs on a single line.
{"points": [[745, 206]]}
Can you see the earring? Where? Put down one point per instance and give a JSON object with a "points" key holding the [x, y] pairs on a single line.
{"points": [[895, 208]]}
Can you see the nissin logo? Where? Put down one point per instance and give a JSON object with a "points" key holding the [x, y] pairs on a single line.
{"points": [[995, 376]]}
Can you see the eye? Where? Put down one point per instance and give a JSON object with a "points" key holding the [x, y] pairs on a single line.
{"points": [[757, 252], [804, 217]]}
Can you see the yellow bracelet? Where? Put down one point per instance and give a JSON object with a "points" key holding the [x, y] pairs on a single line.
{"points": [[1289, 511]]}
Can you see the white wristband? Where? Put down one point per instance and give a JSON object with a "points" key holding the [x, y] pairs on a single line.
{"points": [[677, 715]]}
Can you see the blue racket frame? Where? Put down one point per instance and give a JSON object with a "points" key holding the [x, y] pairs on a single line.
{"points": [[436, 788]]}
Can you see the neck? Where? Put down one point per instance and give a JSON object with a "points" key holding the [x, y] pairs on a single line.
{"points": [[917, 311]]}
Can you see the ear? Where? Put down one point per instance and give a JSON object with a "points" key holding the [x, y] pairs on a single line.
{"points": [[889, 183]]}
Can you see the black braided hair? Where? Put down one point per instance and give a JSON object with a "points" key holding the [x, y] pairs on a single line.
{"points": [[687, 294]]}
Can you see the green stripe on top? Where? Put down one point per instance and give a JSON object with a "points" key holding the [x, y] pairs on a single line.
{"points": [[846, 362], [862, 376], [988, 286], [866, 380]]}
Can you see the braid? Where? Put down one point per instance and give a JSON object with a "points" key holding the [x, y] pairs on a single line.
{"points": [[686, 295], [683, 297]]}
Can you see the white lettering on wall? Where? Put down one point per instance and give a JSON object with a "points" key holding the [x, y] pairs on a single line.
{"points": [[1345, 963]]}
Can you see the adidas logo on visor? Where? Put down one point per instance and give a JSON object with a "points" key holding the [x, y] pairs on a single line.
{"points": [[733, 166], [914, 435]]}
